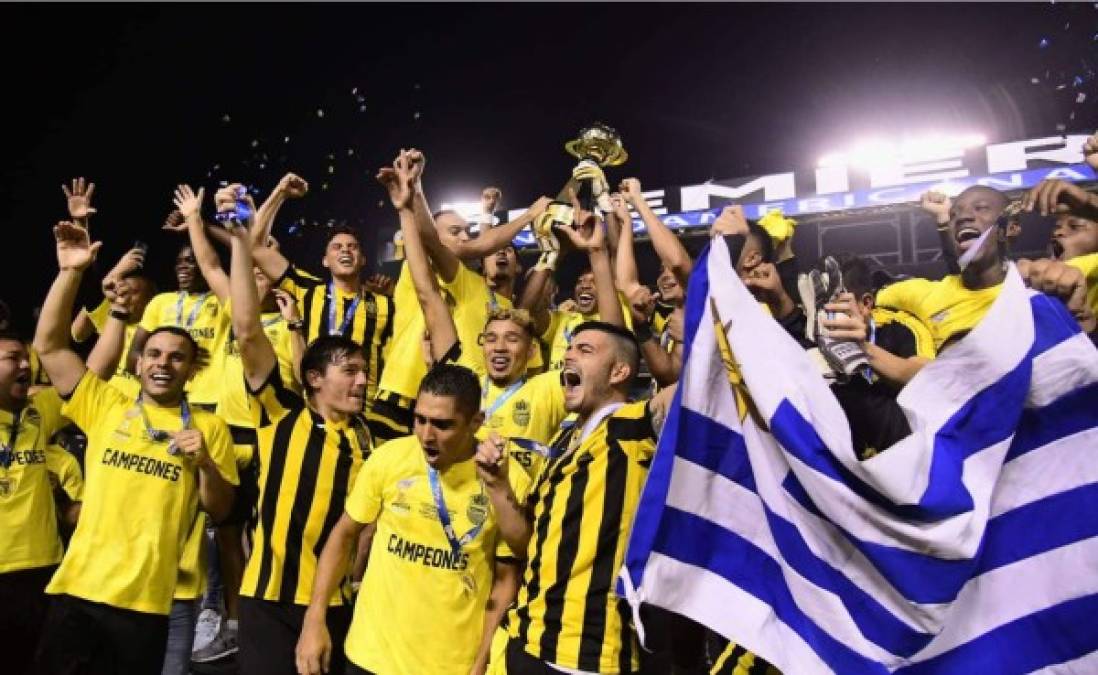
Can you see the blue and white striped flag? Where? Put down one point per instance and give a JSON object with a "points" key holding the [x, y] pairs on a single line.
{"points": [[970, 546]]}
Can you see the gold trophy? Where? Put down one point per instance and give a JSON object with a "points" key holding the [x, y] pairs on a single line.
{"points": [[597, 146]]}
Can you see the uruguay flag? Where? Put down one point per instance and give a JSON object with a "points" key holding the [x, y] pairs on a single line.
{"points": [[971, 546]]}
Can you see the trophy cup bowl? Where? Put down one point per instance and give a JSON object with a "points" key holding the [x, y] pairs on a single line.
{"points": [[598, 143]]}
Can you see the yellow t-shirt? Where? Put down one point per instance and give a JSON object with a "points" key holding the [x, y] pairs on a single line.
{"points": [[561, 326], [206, 326], [534, 411], [28, 518], [123, 380], [405, 366], [234, 405], [472, 299], [421, 607], [1088, 265], [140, 502], [946, 307]]}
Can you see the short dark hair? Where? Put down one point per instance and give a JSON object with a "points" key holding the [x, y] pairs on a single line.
{"points": [[857, 274], [443, 212], [986, 188], [9, 335], [457, 382], [338, 230], [197, 352], [324, 351], [625, 343], [766, 245]]}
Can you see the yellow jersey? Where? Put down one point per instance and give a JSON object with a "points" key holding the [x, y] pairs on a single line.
{"points": [[140, 502], [946, 307], [1088, 265], [421, 605], [532, 411], [28, 517], [123, 380], [201, 315], [234, 405], [406, 363]]}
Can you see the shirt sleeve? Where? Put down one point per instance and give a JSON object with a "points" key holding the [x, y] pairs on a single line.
{"points": [[219, 444], [272, 401], [297, 281], [904, 295], [99, 315], [91, 399], [150, 319], [48, 403], [63, 464], [363, 505]]}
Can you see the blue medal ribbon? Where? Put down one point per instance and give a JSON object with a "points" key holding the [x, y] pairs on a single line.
{"points": [[159, 435], [194, 310], [501, 399], [456, 543], [349, 317]]}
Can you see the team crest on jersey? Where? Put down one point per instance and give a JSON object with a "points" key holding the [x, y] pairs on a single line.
{"points": [[33, 416], [469, 583], [520, 413], [400, 504], [7, 486], [478, 509]]}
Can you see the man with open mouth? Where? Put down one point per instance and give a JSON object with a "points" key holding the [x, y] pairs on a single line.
{"points": [[152, 463], [973, 232]]}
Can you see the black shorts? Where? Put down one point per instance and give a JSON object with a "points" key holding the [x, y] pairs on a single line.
{"points": [[23, 605], [243, 513], [91, 638], [268, 635], [390, 416]]}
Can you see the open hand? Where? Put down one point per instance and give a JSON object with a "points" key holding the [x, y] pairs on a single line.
{"points": [[75, 251], [79, 200]]}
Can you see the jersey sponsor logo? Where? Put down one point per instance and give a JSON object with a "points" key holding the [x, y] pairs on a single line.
{"points": [[428, 556], [150, 466], [33, 416], [477, 512], [520, 413]]}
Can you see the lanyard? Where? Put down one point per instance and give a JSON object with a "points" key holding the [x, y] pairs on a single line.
{"points": [[493, 301], [159, 435], [194, 310], [333, 298], [501, 399], [444, 516], [7, 451]]}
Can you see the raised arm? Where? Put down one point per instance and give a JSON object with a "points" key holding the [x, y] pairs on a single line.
{"points": [[591, 237], [667, 246], [287, 306], [131, 261], [189, 205], [256, 351], [402, 182], [51, 339], [269, 259], [492, 239], [104, 357], [625, 261], [514, 521], [661, 363]]}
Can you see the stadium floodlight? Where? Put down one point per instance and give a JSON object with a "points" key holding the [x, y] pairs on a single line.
{"points": [[875, 152]]}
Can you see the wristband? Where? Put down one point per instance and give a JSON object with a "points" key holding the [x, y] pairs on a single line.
{"points": [[643, 332], [120, 314], [297, 325]]}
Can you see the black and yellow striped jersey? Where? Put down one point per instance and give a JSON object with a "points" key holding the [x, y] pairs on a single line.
{"points": [[371, 324], [735, 660], [307, 466], [583, 503]]}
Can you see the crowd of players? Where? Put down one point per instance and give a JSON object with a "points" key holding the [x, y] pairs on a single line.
{"points": [[432, 475]]}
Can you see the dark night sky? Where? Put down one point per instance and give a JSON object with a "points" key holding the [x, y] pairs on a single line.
{"points": [[132, 96]]}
